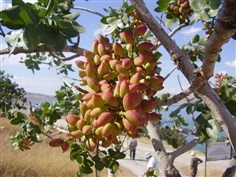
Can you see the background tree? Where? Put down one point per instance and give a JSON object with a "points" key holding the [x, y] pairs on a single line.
{"points": [[124, 68], [12, 96]]}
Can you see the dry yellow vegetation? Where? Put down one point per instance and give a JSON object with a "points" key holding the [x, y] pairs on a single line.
{"points": [[40, 161]]}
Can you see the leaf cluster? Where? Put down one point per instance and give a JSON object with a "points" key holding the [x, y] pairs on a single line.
{"points": [[102, 159], [44, 22]]}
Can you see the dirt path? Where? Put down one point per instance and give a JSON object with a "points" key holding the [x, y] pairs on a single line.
{"points": [[138, 166]]}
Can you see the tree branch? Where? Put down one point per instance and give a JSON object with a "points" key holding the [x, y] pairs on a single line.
{"points": [[224, 29], [44, 48], [184, 148], [88, 10]]}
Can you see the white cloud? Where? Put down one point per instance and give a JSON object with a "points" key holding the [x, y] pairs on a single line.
{"points": [[5, 4], [191, 31], [99, 30], [44, 85], [231, 63], [223, 72]]}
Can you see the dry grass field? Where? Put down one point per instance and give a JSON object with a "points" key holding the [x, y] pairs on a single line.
{"points": [[40, 161]]}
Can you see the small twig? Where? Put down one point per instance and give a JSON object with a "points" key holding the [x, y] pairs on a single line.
{"points": [[162, 22], [171, 72], [88, 10], [72, 78], [176, 98], [178, 28], [172, 33], [188, 100], [61, 130], [64, 58], [73, 89]]}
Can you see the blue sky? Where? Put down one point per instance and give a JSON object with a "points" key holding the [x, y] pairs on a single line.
{"points": [[47, 82]]}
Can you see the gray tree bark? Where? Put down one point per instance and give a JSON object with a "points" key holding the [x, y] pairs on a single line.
{"points": [[224, 29]]}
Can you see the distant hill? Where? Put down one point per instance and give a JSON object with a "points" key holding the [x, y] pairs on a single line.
{"points": [[37, 98]]}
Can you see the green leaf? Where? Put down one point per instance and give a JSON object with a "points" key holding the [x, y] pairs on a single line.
{"points": [[214, 130], [99, 166], [111, 152], [175, 112], [198, 5], [157, 55], [213, 13], [11, 18], [169, 22], [129, 9], [120, 24], [98, 163], [51, 37], [25, 16], [88, 162], [20, 115], [113, 12], [125, 19], [68, 28], [31, 36], [215, 4], [72, 16], [195, 39], [174, 143], [17, 121], [190, 109], [112, 20], [51, 6], [183, 121], [42, 13], [79, 159], [109, 29], [203, 118], [120, 155], [85, 169], [28, 13], [162, 5], [18, 2], [115, 167], [104, 20], [227, 93], [231, 107]]}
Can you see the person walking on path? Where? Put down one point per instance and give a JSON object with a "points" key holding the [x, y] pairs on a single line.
{"points": [[30, 107], [195, 161], [132, 148], [152, 165]]}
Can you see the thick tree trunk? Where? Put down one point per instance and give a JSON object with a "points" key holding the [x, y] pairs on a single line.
{"points": [[231, 170], [165, 160]]}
